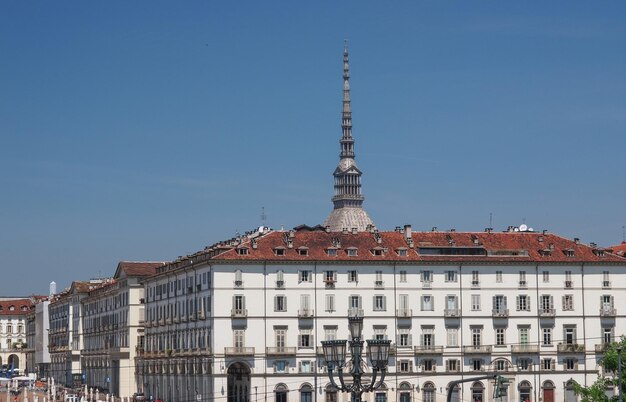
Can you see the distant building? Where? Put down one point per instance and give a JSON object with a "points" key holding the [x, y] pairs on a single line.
{"points": [[37, 327], [13, 313]]}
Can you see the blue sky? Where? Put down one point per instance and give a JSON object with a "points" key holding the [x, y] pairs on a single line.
{"points": [[145, 130]]}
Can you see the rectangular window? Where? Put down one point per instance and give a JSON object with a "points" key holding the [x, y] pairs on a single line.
{"points": [[352, 252], [379, 278], [330, 303], [427, 303], [427, 276], [547, 364], [475, 281], [546, 276], [428, 336], [280, 303], [522, 279], [238, 278], [569, 364], [547, 336], [405, 366], [500, 337], [403, 276], [239, 338], [452, 335], [523, 303], [330, 332], [606, 283], [477, 336], [280, 336], [499, 305], [475, 302], [428, 365], [305, 339], [305, 304], [304, 276], [452, 365], [280, 366], [524, 364], [380, 332], [306, 366], [568, 302], [477, 364], [239, 303], [607, 335], [569, 334], [523, 335], [330, 277], [353, 276], [404, 337], [379, 303], [498, 276], [450, 276]]}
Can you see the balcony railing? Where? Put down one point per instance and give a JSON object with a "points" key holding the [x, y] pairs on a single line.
{"points": [[452, 312], [280, 351], [477, 349], [500, 312], [525, 348], [570, 348], [239, 312], [547, 312], [606, 311], [239, 351], [404, 312], [601, 347], [355, 312], [428, 350], [305, 312]]}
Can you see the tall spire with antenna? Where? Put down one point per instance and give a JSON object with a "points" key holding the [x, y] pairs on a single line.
{"points": [[348, 212]]}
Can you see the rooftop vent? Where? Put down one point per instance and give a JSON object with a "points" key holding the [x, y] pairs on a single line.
{"points": [[327, 228], [593, 245], [434, 229], [407, 231], [576, 240], [355, 231], [344, 230]]}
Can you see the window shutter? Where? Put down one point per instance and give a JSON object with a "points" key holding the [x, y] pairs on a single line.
{"points": [[234, 304], [493, 302], [527, 303], [385, 302], [360, 302], [612, 299], [574, 335], [374, 303], [284, 303], [422, 303], [563, 302], [517, 303], [275, 303], [504, 304], [551, 301]]}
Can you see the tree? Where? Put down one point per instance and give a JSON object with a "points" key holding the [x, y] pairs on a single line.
{"points": [[608, 378]]}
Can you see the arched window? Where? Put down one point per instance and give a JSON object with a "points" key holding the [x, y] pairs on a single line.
{"points": [[381, 394], [331, 393], [405, 392], [570, 395], [478, 391], [429, 392], [281, 392], [306, 393], [525, 391]]}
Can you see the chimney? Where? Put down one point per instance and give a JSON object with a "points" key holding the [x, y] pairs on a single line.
{"points": [[434, 229], [344, 230], [290, 243], [545, 232], [327, 228], [576, 240], [355, 231], [593, 245], [407, 231]]}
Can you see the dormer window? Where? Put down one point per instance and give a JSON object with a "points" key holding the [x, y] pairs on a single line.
{"points": [[352, 251], [569, 252], [546, 252], [402, 252], [378, 251], [332, 252], [303, 251], [279, 251], [598, 252], [243, 251], [11, 308]]}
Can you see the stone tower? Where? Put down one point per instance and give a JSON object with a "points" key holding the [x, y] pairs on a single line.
{"points": [[348, 212]]}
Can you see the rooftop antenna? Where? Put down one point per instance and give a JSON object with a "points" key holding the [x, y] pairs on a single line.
{"points": [[623, 233], [263, 216], [490, 219]]}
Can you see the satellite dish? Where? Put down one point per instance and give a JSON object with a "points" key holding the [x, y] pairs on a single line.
{"points": [[531, 229], [523, 227], [516, 229]]}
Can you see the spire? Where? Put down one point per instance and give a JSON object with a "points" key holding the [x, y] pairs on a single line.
{"points": [[348, 209]]}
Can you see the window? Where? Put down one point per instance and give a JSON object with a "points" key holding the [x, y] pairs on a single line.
{"points": [[500, 337], [498, 276], [331, 252], [239, 338], [239, 304], [427, 303], [569, 334], [280, 336], [546, 276], [243, 251], [499, 305], [452, 365], [330, 332], [475, 281], [355, 304], [306, 366], [380, 332], [606, 283], [477, 364], [569, 363], [402, 252], [500, 365], [607, 335], [330, 277], [238, 279], [452, 335], [303, 251], [524, 364], [380, 397], [305, 339], [353, 276], [477, 336], [547, 364], [547, 303], [428, 337], [427, 276], [404, 337], [568, 302], [379, 278], [330, 303], [428, 365], [568, 279], [279, 251], [403, 276], [523, 332], [429, 392], [546, 336], [352, 252], [405, 366], [523, 303], [280, 279], [380, 303], [280, 303], [281, 390], [304, 276], [280, 366], [450, 276], [475, 302]]}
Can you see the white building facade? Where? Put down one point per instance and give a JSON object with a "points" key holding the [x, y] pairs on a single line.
{"points": [[13, 345], [243, 320]]}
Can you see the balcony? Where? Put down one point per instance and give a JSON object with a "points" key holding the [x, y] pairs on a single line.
{"points": [[280, 351], [607, 311], [570, 348], [404, 312], [452, 313], [569, 284], [379, 284], [305, 313], [239, 313], [546, 312], [355, 312], [329, 283], [280, 284], [428, 350], [523, 285], [601, 347], [477, 349], [500, 312], [525, 348], [239, 351]]}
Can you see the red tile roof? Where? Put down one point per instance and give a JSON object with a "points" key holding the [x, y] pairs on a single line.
{"points": [[138, 268], [19, 307], [456, 247], [620, 249]]}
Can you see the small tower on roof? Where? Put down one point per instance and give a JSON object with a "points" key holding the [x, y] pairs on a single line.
{"points": [[348, 209]]}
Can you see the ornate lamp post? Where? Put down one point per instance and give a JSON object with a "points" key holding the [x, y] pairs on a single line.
{"points": [[377, 354]]}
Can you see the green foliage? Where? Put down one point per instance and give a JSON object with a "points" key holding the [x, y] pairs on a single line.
{"points": [[609, 361]]}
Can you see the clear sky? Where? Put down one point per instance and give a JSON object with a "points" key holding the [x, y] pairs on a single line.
{"points": [[145, 130]]}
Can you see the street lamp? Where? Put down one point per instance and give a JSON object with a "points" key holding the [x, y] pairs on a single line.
{"points": [[377, 354]]}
